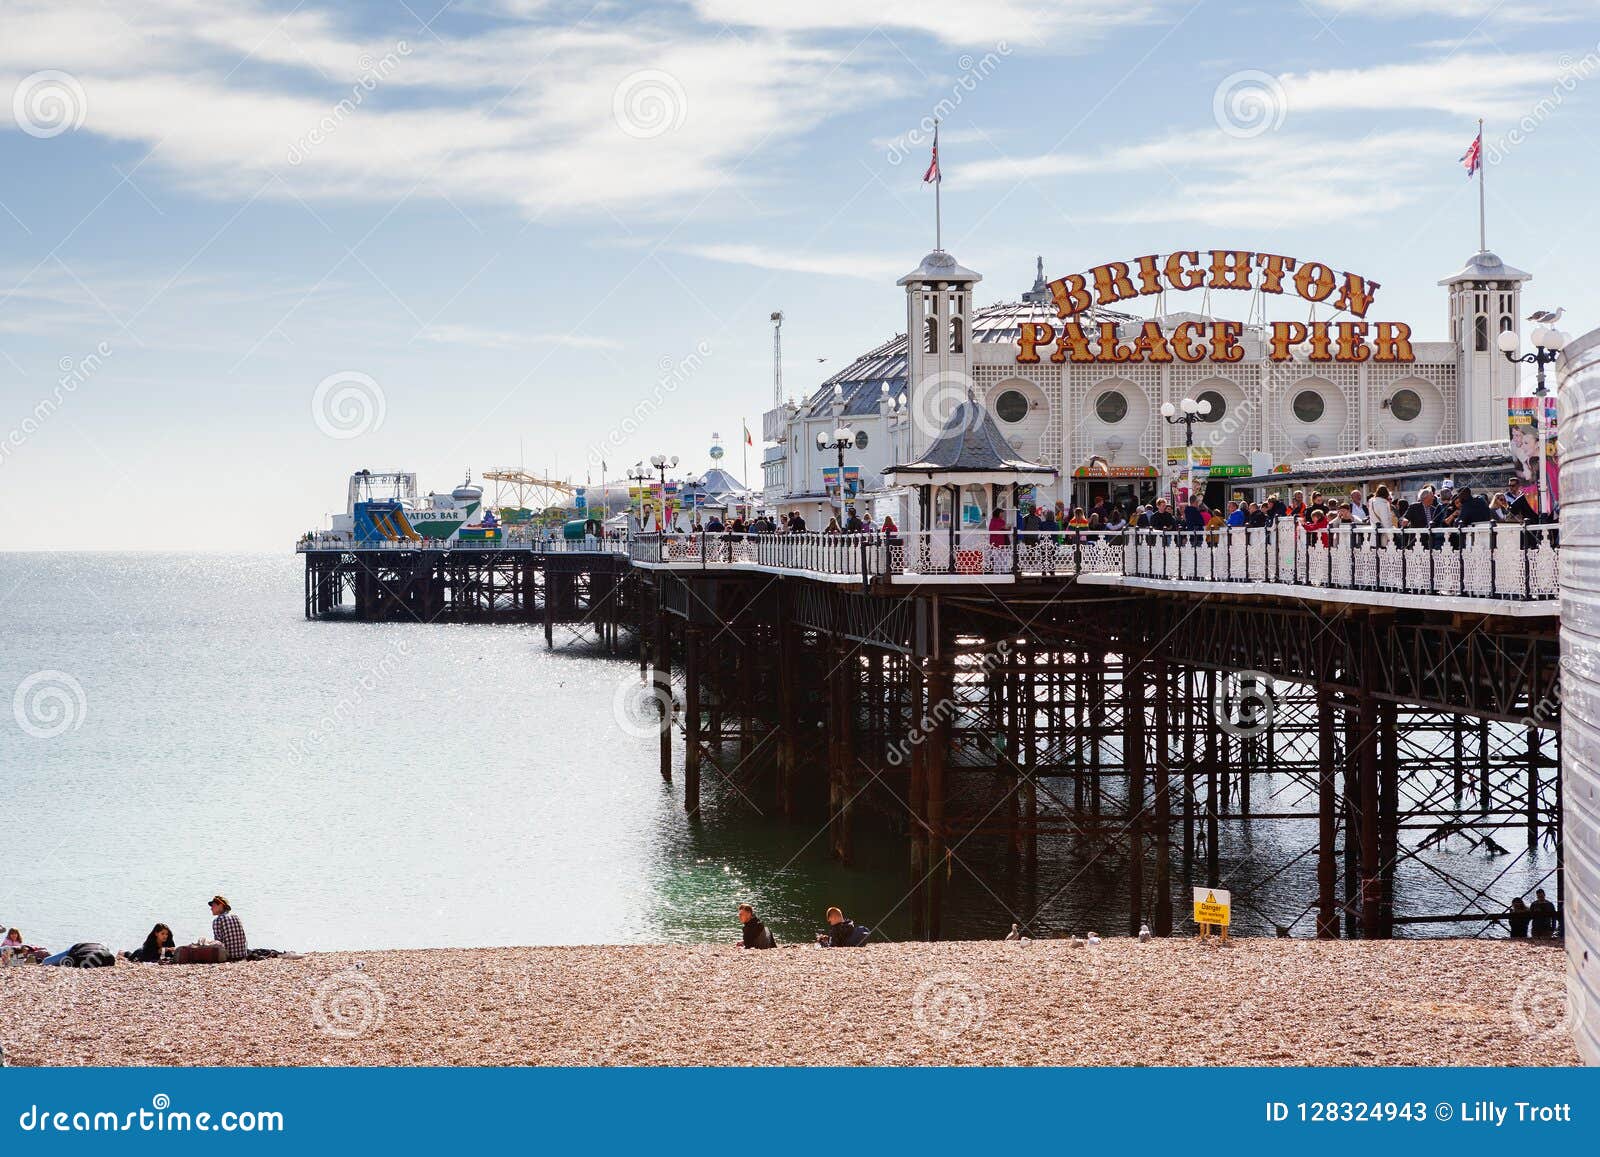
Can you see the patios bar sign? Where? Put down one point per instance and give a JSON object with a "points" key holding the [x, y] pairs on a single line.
{"points": [[1218, 341]]}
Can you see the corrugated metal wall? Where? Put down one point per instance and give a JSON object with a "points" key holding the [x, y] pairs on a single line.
{"points": [[1579, 438]]}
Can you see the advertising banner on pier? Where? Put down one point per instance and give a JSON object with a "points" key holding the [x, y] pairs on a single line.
{"points": [[1524, 429], [852, 481]]}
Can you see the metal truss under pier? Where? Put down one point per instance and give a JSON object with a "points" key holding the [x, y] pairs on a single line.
{"points": [[1133, 733], [594, 589]]}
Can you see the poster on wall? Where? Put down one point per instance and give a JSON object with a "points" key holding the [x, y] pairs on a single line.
{"points": [[852, 481], [1188, 468], [1520, 415]]}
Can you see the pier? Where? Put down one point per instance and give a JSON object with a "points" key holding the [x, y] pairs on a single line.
{"points": [[1123, 697], [579, 585]]}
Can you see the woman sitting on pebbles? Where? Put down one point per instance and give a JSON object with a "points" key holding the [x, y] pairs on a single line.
{"points": [[156, 945]]}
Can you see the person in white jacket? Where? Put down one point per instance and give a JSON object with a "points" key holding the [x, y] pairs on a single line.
{"points": [[1379, 510]]}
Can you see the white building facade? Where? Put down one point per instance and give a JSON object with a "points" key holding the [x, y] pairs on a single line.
{"points": [[1099, 422]]}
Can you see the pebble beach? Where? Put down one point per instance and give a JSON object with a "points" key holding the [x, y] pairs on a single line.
{"points": [[1174, 1002]]}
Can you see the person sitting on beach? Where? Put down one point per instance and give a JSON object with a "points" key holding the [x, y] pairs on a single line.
{"points": [[156, 945], [13, 939], [1519, 919], [842, 933], [1543, 914], [225, 927], [755, 932]]}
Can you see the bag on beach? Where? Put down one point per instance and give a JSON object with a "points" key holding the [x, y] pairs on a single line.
{"points": [[201, 952]]}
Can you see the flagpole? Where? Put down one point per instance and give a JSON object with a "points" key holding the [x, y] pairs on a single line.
{"points": [[744, 449], [938, 219], [1483, 244]]}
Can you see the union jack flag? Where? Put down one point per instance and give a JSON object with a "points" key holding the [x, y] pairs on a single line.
{"points": [[933, 175], [1473, 157]]}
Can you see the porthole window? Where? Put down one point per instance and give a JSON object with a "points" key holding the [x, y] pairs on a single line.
{"points": [[1309, 406], [1111, 407], [1219, 406], [861, 439], [1011, 406], [1405, 405]]}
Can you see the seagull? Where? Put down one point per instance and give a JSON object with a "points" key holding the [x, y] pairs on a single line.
{"points": [[821, 360], [1015, 933], [1075, 942], [1547, 317], [1144, 934], [1094, 938]]}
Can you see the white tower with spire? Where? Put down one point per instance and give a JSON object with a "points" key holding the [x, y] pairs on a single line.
{"points": [[939, 343], [1485, 300]]}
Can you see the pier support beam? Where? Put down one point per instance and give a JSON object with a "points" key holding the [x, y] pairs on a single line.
{"points": [[691, 718], [1327, 817], [1161, 916]]}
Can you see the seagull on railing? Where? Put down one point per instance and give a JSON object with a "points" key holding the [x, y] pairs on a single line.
{"points": [[1546, 316]]}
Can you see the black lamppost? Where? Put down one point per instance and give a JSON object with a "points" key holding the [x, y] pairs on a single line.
{"points": [[843, 439], [1547, 345], [1193, 411]]}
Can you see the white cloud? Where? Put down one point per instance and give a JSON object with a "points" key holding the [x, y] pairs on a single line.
{"points": [[1466, 85], [866, 266], [1061, 25], [535, 115], [486, 338]]}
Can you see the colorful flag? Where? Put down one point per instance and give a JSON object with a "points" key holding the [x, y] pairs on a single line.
{"points": [[933, 176], [1473, 157], [748, 441]]}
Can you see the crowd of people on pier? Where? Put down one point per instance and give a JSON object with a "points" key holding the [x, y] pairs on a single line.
{"points": [[1441, 510], [227, 943]]}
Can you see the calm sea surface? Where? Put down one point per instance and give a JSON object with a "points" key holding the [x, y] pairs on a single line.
{"points": [[172, 727]]}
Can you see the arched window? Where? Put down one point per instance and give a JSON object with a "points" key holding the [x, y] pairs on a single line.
{"points": [[956, 343], [1505, 323], [1480, 342], [931, 345]]}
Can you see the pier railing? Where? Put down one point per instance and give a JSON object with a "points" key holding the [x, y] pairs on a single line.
{"points": [[587, 545], [1492, 561]]}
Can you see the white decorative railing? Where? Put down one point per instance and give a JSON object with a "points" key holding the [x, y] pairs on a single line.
{"points": [[1492, 561]]}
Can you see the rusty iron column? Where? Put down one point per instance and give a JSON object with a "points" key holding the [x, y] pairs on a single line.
{"points": [[917, 800], [1327, 818], [1388, 814], [692, 661], [1133, 756], [661, 661], [1161, 917], [941, 690], [1366, 756], [788, 724]]}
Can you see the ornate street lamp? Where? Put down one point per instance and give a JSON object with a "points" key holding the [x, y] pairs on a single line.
{"points": [[843, 439], [1548, 343], [1192, 412]]}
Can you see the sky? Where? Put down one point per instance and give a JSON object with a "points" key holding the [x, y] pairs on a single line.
{"points": [[249, 247]]}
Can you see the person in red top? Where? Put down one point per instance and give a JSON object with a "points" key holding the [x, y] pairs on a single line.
{"points": [[998, 529], [1316, 521]]}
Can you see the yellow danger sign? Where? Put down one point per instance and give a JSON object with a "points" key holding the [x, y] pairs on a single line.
{"points": [[1211, 906]]}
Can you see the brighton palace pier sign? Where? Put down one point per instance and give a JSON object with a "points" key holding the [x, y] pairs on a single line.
{"points": [[1217, 341]]}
